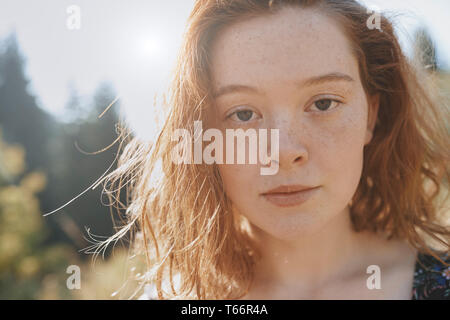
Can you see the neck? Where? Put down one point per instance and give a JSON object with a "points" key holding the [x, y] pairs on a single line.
{"points": [[312, 259]]}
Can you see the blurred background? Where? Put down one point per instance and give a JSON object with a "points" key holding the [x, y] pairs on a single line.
{"points": [[62, 63]]}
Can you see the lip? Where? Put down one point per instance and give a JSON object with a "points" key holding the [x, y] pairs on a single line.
{"points": [[290, 195]]}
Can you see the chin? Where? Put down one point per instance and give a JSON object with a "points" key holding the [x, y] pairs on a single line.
{"points": [[288, 229]]}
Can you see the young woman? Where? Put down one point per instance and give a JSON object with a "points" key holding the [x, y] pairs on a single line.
{"points": [[356, 208]]}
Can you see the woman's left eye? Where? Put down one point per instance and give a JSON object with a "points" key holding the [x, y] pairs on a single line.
{"points": [[326, 104]]}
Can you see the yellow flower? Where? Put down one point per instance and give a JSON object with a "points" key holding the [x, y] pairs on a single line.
{"points": [[34, 182]]}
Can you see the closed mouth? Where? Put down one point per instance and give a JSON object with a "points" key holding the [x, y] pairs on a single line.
{"points": [[290, 199]]}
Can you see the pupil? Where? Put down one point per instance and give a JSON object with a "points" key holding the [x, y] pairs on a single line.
{"points": [[244, 115], [323, 104]]}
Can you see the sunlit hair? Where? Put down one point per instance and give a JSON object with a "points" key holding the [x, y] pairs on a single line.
{"points": [[184, 224]]}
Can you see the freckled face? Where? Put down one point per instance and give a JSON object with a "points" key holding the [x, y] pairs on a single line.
{"points": [[307, 85]]}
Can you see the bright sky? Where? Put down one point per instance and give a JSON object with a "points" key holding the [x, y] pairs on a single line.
{"points": [[133, 45]]}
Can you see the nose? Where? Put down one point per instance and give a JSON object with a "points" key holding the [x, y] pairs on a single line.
{"points": [[292, 149]]}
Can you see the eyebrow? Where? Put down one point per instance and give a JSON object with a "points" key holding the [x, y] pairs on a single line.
{"points": [[330, 77]]}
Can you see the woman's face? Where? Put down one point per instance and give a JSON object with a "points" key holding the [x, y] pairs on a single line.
{"points": [[306, 84]]}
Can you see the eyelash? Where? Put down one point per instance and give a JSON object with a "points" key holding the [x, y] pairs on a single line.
{"points": [[333, 100]]}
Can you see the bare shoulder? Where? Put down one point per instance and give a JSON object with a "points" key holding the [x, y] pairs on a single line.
{"points": [[395, 261]]}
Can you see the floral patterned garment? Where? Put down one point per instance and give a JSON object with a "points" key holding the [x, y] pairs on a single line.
{"points": [[431, 278]]}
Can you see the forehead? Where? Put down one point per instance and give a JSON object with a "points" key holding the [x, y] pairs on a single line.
{"points": [[291, 45]]}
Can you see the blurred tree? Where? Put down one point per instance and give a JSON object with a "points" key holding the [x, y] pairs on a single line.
{"points": [[25, 260], [25, 123], [425, 49], [22, 120], [60, 149], [73, 109], [43, 164], [87, 155]]}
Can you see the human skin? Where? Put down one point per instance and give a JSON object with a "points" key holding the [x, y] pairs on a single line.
{"points": [[308, 250]]}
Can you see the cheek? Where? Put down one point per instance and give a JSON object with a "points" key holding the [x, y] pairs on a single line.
{"points": [[239, 186], [238, 177], [340, 150], [239, 181]]}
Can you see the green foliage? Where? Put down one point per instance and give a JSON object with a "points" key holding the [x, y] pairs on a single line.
{"points": [[25, 259], [44, 163], [30, 268], [64, 150]]}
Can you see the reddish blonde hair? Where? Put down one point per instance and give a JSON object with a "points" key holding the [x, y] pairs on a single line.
{"points": [[184, 223]]}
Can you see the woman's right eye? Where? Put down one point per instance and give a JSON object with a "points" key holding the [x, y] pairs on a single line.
{"points": [[241, 115]]}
